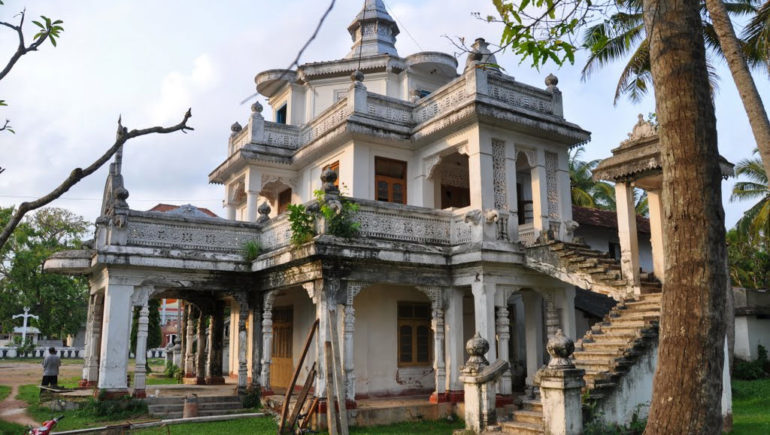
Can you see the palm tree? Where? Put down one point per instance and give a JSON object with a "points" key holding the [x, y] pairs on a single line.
{"points": [[623, 33], [586, 192], [756, 35], [755, 222]]}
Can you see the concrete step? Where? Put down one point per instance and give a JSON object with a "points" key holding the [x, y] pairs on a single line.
{"points": [[598, 355], [201, 399], [205, 413], [513, 427], [595, 365], [531, 417]]}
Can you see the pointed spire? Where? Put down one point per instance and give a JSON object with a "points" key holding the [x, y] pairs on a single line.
{"points": [[378, 28]]}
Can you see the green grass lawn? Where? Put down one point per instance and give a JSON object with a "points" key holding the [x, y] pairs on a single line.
{"points": [[4, 391], [751, 407], [267, 425], [7, 428], [76, 419]]}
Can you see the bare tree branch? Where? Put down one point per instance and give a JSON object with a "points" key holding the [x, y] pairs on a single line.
{"points": [[123, 135], [295, 62], [6, 126], [22, 48]]}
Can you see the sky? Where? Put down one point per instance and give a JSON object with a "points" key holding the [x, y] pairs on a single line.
{"points": [[148, 61]]}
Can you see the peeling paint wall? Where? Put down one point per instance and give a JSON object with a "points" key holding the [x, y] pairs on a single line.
{"points": [[633, 393]]}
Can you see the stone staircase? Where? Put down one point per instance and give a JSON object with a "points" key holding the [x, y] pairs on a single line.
{"points": [[582, 266], [172, 407], [606, 353]]}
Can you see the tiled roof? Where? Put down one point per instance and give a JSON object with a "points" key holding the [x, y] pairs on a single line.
{"points": [[605, 218], [169, 207]]}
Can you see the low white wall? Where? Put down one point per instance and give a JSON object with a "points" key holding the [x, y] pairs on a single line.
{"points": [[750, 332], [376, 344], [633, 393], [39, 352]]}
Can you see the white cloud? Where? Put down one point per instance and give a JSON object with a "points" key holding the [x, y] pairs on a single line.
{"points": [[179, 90]]}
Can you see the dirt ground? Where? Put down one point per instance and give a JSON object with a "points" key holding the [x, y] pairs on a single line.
{"points": [[15, 374]]}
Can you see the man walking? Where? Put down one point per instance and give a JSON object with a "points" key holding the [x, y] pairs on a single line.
{"points": [[51, 364]]}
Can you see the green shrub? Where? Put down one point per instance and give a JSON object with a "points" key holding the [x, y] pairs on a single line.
{"points": [[171, 370], [339, 224], [252, 397], [251, 250], [751, 370], [112, 409], [301, 223]]}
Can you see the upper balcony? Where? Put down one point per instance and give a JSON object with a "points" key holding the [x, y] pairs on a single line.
{"points": [[476, 95]]}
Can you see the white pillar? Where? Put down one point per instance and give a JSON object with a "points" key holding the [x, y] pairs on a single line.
{"points": [[232, 353], [539, 194], [267, 339], [564, 188], [455, 347], [656, 234], [348, 340], [253, 184], [552, 317], [512, 191], [566, 304], [189, 360], [533, 321], [140, 371], [480, 172], [93, 342], [200, 354], [322, 314], [256, 344], [113, 362], [439, 366], [484, 313], [503, 324], [242, 345], [629, 246]]}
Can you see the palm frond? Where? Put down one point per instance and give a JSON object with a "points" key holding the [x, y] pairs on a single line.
{"points": [[636, 76]]}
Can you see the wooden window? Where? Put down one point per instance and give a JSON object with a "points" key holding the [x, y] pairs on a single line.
{"points": [[390, 180], [280, 115], [414, 334], [336, 168], [284, 199]]}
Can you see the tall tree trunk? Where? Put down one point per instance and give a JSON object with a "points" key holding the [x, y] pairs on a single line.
{"points": [[752, 102], [687, 387]]}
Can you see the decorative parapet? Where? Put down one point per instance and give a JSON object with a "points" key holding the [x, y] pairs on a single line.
{"points": [[159, 231], [325, 122], [281, 135], [389, 109], [276, 234], [519, 95]]}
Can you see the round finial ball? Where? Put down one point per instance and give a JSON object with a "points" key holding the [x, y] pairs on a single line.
{"points": [[357, 76], [328, 176], [560, 346], [256, 107], [235, 128], [264, 208], [551, 80], [477, 346]]}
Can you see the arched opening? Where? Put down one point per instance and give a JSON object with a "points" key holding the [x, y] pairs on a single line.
{"points": [[452, 181], [279, 194]]}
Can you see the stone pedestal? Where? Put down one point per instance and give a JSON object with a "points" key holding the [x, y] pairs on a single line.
{"points": [[560, 387], [480, 380]]}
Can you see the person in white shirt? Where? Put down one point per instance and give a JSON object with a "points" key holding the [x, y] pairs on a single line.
{"points": [[51, 364]]}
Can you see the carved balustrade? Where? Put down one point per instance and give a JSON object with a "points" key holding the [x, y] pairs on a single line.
{"points": [[519, 95], [163, 231]]}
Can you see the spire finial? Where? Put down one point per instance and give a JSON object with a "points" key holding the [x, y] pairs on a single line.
{"points": [[373, 31]]}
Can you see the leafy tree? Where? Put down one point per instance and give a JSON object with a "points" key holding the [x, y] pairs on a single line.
{"points": [[687, 385], [50, 30], [749, 262], [58, 300], [755, 223], [756, 36]]}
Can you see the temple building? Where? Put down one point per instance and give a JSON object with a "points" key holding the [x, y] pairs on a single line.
{"points": [[461, 224]]}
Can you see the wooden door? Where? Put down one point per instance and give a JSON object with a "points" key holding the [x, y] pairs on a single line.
{"points": [[282, 367]]}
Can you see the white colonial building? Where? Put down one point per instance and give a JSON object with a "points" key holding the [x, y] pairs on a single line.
{"points": [[460, 177]]}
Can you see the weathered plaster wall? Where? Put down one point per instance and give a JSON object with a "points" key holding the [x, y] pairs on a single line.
{"points": [[376, 344], [598, 238], [633, 393], [750, 332]]}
